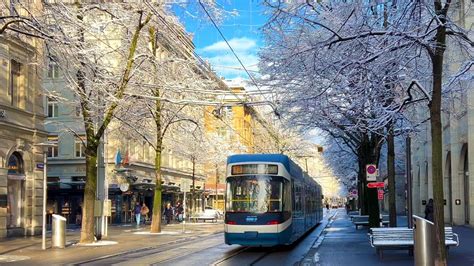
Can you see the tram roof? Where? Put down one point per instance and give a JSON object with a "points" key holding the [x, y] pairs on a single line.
{"points": [[290, 166]]}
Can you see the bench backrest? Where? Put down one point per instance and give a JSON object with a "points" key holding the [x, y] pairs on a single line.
{"points": [[402, 233], [360, 218]]}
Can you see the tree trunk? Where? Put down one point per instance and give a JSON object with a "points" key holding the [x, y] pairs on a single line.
{"points": [[437, 146], [156, 218], [368, 153], [391, 178], [87, 228]]}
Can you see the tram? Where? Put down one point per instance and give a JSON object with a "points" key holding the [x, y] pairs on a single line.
{"points": [[269, 201]]}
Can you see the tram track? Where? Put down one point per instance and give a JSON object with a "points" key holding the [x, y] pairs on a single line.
{"points": [[242, 254], [129, 255]]}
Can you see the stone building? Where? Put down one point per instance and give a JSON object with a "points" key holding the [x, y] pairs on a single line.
{"points": [[21, 127]]}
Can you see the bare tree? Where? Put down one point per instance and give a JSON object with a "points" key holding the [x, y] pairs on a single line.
{"points": [[350, 38]]}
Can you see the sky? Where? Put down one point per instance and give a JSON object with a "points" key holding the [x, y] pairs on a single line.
{"points": [[241, 31]]}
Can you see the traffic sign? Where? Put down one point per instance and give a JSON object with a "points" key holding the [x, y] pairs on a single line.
{"points": [[354, 192], [371, 172], [380, 194], [376, 185]]}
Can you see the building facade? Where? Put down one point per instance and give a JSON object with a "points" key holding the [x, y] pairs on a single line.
{"points": [[458, 139], [21, 127]]}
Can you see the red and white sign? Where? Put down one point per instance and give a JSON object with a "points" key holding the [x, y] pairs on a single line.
{"points": [[380, 194], [371, 172], [376, 185]]}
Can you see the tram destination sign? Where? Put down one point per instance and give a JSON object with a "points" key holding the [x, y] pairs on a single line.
{"points": [[376, 185]]}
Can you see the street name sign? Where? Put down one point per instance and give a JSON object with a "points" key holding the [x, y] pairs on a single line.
{"points": [[371, 171], [376, 185]]}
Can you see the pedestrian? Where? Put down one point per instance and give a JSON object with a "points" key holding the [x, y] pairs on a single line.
{"points": [[137, 211], [429, 210], [168, 213], [327, 207], [179, 212], [144, 212], [79, 215]]}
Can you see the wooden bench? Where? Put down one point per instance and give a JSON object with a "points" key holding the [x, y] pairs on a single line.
{"points": [[364, 220], [402, 238]]}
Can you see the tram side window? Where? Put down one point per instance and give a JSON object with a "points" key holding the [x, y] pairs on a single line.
{"points": [[298, 201], [286, 196]]}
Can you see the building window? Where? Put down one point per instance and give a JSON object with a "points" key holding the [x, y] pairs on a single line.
{"points": [[79, 148], [53, 70], [15, 79], [53, 152], [52, 107]]}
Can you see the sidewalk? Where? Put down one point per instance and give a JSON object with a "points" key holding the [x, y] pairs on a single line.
{"points": [[121, 238], [342, 244]]}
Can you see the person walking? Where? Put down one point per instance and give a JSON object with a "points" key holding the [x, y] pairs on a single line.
{"points": [[137, 211], [168, 213], [144, 212], [429, 210], [179, 212]]}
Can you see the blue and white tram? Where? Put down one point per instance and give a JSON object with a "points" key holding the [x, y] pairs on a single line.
{"points": [[269, 200]]}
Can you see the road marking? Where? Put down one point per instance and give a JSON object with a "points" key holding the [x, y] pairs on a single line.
{"points": [[316, 257]]}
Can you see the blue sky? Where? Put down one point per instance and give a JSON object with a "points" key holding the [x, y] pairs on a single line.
{"points": [[241, 30]]}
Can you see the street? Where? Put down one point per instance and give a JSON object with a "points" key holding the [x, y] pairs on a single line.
{"points": [[211, 250], [333, 242]]}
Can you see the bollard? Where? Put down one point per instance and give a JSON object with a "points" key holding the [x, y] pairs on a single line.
{"points": [[423, 234], [58, 238]]}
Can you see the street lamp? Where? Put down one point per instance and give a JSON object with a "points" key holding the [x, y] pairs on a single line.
{"points": [[44, 146]]}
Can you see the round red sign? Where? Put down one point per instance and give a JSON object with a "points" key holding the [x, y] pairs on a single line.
{"points": [[371, 169]]}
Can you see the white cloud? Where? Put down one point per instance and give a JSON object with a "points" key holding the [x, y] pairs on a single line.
{"points": [[238, 44], [224, 62], [227, 65]]}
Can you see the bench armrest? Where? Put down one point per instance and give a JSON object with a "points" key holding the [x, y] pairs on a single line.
{"points": [[457, 239], [371, 240]]}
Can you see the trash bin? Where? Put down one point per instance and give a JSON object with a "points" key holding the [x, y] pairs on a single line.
{"points": [[423, 235], [58, 239]]}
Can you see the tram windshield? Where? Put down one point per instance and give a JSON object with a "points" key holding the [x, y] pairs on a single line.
{"points": [[258, 194]]}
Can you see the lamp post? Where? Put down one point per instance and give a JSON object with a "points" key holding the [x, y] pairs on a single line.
{"points": [[44, 146]]}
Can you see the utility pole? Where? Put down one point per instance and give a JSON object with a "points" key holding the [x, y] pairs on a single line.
{"points": [[217, 181], [193, 203], [409, 183]]}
